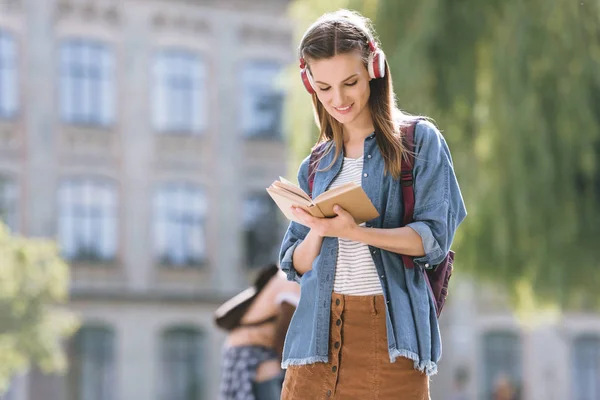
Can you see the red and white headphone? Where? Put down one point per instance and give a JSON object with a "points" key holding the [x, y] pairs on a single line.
{"points": [[375, 66]]}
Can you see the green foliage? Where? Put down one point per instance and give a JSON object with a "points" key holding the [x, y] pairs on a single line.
{"points": [[33, 289], [515, 88]]}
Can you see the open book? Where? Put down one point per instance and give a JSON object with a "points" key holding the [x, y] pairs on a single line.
{"points": [[350, 196]]}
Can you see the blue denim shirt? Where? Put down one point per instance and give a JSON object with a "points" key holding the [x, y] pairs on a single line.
{"points": [[412, 325]]}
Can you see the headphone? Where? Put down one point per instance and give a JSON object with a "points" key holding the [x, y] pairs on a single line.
{"points": [[375, 66]]}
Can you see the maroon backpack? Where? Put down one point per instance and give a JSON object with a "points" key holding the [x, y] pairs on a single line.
{"points": [[438, 277]]}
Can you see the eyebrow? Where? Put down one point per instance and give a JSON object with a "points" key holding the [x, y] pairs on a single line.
{"points": [[348, 78]]}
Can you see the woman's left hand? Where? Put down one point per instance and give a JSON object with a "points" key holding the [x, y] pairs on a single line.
{"points": [[340, 226]]}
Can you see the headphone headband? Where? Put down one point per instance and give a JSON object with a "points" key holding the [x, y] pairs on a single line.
{"points": [[375, 63], [375, 66], [372, 46]]}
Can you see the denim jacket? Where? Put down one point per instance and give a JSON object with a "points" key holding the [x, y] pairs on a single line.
{"points": [[412, 325]]}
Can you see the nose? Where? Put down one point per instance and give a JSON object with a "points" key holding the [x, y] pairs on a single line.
{"points": [[338, 98]]}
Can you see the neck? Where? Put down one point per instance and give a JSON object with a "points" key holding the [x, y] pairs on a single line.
{"points": [[358, 130]]}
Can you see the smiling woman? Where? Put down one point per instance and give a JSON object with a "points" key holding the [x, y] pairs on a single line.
{"points": [[346, 100], [366, 325]]}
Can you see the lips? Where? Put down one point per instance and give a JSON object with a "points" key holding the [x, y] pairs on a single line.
{"points": [[344, 110]]}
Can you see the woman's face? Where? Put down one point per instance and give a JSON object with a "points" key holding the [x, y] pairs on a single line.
{"points": [[342, 86]]}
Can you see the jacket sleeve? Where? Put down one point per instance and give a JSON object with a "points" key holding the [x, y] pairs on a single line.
{"points": [[295, 233], [439, 206]]}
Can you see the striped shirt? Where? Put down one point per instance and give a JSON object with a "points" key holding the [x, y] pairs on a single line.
{"points": [[355, 272]]}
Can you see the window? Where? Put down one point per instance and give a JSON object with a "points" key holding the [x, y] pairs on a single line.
{"points": [[262, 104], [87, 83], [502, 359], [182, 370], [586, 368], [179, 232], [180, 101], [87, 225], [262, 233], [8, 204], [92, 364], [8, 76]]}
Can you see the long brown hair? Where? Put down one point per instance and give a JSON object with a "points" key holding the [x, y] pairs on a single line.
{"points": [[342, 32]]}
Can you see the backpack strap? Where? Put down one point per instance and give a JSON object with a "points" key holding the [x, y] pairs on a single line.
{"points": [[313, 161], [407, 181]]}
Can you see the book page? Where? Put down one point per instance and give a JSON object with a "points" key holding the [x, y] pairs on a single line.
{"points": [[290, 187], [282, 179], [285, 200], [292, 197]]}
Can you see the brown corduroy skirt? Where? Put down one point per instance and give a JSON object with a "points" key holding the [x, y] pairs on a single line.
{"points": [[359, 365]]}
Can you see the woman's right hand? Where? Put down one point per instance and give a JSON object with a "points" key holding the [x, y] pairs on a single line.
{"points": [[342, 225]]}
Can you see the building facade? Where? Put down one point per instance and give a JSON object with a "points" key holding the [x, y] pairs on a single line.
{"points": [[142, 135]]}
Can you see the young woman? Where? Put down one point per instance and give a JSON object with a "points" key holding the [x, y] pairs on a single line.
{"points": [[365, 326]]}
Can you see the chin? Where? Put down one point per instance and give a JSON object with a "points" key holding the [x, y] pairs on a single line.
{"points": [[342, 119], [345, 119]]}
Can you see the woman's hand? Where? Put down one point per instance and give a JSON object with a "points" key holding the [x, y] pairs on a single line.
{"points": [[403, 240], [340, 226]]}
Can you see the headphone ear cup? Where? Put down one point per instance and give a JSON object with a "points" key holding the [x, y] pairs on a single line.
{"points": [[380, 63], [376, 64], [307, 80]]}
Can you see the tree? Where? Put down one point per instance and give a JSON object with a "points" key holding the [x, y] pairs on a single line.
{"points": [[33, 287], [514, 87]]}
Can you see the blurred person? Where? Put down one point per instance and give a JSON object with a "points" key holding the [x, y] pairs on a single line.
{"points": [[503, 388], [366, 326], [459, 390], [256, 320]]}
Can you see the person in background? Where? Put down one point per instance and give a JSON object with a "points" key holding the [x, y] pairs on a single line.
{"points": [[461, 378], [503, 388], [251, 367]]}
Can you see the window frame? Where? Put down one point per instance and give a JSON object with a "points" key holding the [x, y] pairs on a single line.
{"points": [[194, 339], [171, 198], [250, 93], [81, 356], [78, 201], [9, 70], [8, 185], [513, 372], [87, 82], [271, 232], [184, 81], [590, 353]]}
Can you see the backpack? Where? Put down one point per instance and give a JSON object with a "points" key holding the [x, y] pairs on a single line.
{"points": [[229, 315], [438, 277]]}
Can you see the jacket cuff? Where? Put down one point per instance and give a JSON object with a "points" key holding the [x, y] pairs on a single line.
{"points": [[287, 265], [433, 253]]}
